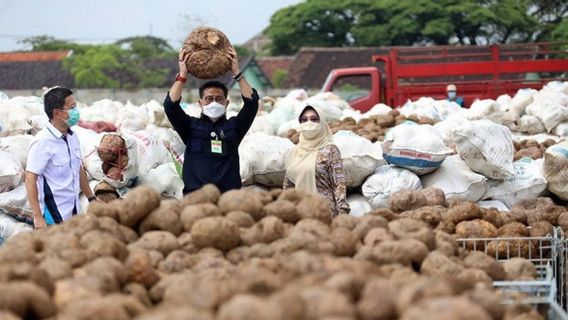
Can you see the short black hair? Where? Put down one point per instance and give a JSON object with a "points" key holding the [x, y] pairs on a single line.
{"points": [[55, 99], [213, 84]]}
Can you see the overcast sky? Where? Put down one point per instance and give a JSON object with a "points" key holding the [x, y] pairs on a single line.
{"points": [[104, 21]]}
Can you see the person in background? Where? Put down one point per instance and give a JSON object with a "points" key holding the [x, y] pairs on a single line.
{"points": [[315, 164], [212, 141], [54, 173], [453, 94]]}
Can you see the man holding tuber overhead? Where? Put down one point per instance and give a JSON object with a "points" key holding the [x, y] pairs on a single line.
{"points": [[212, 141], [54, 173]]}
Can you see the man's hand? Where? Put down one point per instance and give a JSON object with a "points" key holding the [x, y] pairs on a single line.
{"points": [[182, 59], [234, 58], [39, 222]]}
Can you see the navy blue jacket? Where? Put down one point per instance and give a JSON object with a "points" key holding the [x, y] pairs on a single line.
{"points": [[201, 166]]}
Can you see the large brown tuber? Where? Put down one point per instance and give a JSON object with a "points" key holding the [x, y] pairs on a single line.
{"points": [[519, 269], [434, 196], [115, 306], [26, 299], [207, 49], [283, 209], [480, 260], [247, 307], [241, 219], [209, 193], [266, 230], [463, 211], [345, 242], [165, 217], [436, 263], [242, 200], [378, 300], [215, 232], [476, 229], [406, 200], [162, 241], [136, 205], [315, 207], [413, 229], [140, 269], [446, 308], [172, 312], [377, 235], [192, 213]]}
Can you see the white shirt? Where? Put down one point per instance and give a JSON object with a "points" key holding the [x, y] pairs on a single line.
{"points": [[57, 163]]}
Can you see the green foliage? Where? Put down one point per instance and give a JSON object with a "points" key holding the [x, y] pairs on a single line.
{"points": [[278, 78], [243, 52], [100, 66], [146, 47], [314, 22], [91, 68], [414, 22], [560, 33], [48, 43]]}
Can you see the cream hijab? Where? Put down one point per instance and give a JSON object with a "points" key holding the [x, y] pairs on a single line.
{"points": [[301, 161]]}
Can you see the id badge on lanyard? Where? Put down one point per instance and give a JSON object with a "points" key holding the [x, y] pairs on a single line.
{"points": [[217, 146]]}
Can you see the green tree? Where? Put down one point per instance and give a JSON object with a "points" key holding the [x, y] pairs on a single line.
{"points": [[560, 33], [49, 43], [278, 78], [550, 14], [92, 68], [314, 22], [137, 57], [414, 22], [395, 22], [243, 51], [146, 47], [100, 66]]}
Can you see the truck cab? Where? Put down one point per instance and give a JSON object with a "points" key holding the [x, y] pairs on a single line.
{"points": [[360, 87]]}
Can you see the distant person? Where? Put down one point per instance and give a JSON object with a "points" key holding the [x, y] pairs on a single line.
{"points": [[212, 141], [453, 94], [315, 164], [54, 173]]}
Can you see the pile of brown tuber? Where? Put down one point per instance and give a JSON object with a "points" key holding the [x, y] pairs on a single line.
{"points": [[373, 128], [531, 148], [249, 254]]}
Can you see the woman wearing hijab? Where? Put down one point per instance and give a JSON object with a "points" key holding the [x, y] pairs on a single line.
{"points": [[315, 165]]}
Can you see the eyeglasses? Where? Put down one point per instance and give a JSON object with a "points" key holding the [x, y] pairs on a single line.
{"points": [[312, 119], [214, 98]]}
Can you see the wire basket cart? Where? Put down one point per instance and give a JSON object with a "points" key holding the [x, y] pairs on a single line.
{"points": [[549, 254]]}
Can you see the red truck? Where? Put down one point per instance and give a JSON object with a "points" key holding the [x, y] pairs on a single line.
{"points": [[479, 72]]}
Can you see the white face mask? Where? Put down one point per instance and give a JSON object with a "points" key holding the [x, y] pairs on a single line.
{"points": [[214, 110], [309, 129]]}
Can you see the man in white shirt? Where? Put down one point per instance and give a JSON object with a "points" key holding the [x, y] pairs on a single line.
{"points": [[54, 173]]}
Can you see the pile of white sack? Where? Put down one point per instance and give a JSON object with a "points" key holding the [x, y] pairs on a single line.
{"points": [[468, 153], [155, 151]]}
